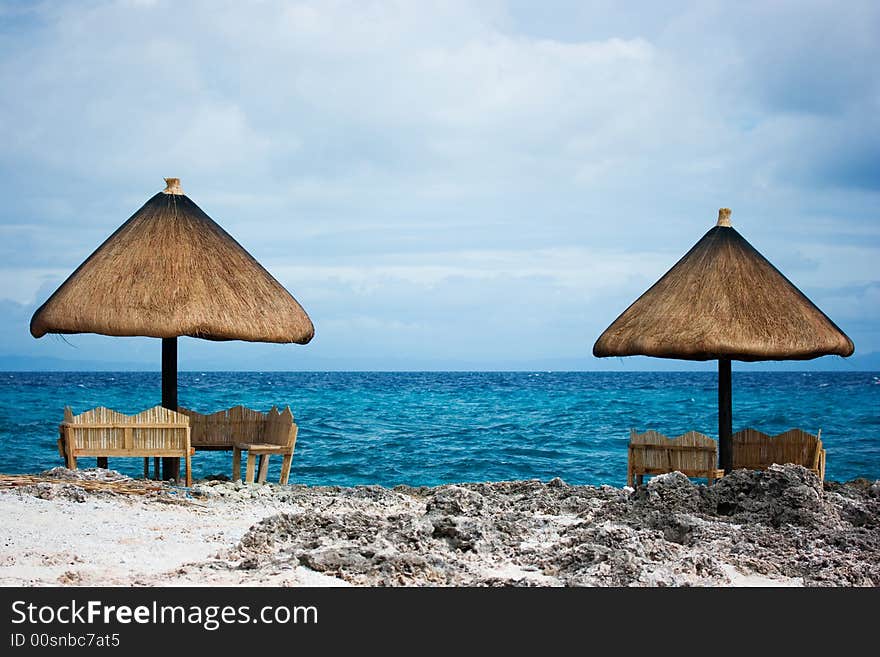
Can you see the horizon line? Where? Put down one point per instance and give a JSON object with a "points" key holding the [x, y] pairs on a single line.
{"points": [[369, 371]]}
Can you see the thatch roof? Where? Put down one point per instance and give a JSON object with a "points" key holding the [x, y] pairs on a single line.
{"points": [[168, 271], [723, 299]]}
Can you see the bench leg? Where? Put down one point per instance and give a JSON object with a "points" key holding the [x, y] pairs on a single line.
{"points": [[64, 449], [249, 471], [102, 462], [263, 470], [69, 457], [146, 467], [189, 473], [156, 463], [285, 468], [236, 464], [640, 480]]}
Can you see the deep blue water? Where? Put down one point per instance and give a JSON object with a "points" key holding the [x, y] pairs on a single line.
{"points": [[441, 427]]}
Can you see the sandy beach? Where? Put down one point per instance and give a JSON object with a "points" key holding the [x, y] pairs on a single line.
{"points": [[773, 528]]}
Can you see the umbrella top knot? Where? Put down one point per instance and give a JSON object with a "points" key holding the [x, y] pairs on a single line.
{"points": [[723, 217], [172, 186]]}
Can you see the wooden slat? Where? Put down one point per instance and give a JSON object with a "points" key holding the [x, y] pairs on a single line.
{"points": [[236, 465], [130, 452], [158, 425], [261, 448], [285, 468], [263, 470], [676, 448], [689, 472], [249, 468]]}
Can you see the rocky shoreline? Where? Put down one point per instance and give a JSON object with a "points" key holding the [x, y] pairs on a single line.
{"points": [[778, 527]]}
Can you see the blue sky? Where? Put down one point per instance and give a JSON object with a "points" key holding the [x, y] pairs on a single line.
{"points": [[443, 185]]}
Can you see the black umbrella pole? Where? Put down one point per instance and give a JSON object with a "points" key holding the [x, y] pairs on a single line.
{"points": [[725, 417], [170, 465]]}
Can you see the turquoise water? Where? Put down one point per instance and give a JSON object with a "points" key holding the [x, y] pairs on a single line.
{"points": [[441, 427]]}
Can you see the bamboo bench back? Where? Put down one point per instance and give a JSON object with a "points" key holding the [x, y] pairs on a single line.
{"points": [[105, 432], [280, 429], [239, 424], [693, 454], [756, 450]]}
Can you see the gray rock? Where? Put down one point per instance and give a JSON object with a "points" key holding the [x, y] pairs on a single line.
{"points": [[455, 500], [672, 532], [783, 494], [335, 560], [47, 491]]}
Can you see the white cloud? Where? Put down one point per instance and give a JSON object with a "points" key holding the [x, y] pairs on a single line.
{"points": [[583, 272]]}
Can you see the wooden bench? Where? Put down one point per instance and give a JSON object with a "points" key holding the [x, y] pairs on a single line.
{"points": [[692, 454], [243, 429], [756, 450], [103, 432]]}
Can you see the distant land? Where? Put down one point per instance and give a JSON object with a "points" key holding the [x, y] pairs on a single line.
{"points": [[32, 363]]}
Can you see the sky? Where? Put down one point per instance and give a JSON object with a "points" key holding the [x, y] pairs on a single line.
{"points": [[443, 185]]}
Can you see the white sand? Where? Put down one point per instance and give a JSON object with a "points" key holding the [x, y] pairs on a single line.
{"points": [[126, 541], [752, 580]]}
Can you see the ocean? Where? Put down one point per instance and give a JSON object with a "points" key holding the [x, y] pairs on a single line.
{"points": [[429, 428]]}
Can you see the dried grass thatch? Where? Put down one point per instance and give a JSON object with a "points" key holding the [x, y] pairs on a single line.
{"points": [[121, 487], [168, 271], [723, 299]]}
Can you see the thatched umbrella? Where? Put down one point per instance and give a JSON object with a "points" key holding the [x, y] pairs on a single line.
{"points": [[168, 271], [723, 300]]}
